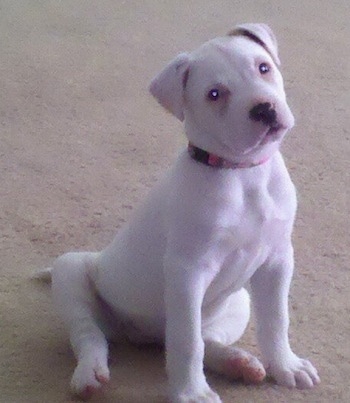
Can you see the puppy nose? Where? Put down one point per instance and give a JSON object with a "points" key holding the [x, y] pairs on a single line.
{"points": [[263, 112]]}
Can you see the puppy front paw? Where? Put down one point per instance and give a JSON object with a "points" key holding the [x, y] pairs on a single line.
{"points": [[294, 372]]}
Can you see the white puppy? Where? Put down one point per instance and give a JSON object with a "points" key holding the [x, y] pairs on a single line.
{"points": [[223, 215]]}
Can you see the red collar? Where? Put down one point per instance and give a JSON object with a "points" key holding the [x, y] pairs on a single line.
{"points": [[217, 162]]}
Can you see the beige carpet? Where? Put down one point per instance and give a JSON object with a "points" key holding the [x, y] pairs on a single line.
{"points": [[81, 142]]}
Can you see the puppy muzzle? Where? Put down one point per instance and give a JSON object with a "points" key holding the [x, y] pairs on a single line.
{"points": [[265, 113]]}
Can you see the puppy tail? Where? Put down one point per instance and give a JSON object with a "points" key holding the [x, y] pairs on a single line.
{"points": [[43, 275]]}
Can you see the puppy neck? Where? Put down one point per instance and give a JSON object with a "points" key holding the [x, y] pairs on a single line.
{"points": [[215, 161]]}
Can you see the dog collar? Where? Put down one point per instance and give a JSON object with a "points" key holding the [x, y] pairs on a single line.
{"points": [[215, 161]]}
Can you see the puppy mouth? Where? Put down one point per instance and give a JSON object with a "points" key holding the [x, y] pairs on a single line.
{"points": [[270, 134], [273, 132], [274, 129]]}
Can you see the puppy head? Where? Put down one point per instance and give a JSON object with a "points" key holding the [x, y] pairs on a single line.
{"points": [[215, 88]]}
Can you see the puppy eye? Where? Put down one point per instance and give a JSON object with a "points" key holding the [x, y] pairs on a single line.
{"points": [[264, 68], [214, 94]]}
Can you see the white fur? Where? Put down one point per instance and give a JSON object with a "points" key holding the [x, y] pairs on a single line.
{"points": [[176, 271]]}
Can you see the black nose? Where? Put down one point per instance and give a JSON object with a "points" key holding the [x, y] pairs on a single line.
{"points": [[264, 113]]}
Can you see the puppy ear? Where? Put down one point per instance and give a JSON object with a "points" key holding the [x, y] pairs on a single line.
{"points": [[168, 86], [261, 34]]}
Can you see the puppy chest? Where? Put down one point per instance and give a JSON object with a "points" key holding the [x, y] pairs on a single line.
{"points": [[254, 219], [236, 270], [246, 235]]}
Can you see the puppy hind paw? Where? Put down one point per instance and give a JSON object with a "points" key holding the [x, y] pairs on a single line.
{"points": [[88, 379], [245, 366]]}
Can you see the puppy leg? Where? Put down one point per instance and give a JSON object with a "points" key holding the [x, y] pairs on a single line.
{"points": [[76, 301], [219, 335], [184, 292], [270, 289]]}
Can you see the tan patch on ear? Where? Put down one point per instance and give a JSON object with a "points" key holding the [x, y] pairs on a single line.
{"points": [[250, 35], [233, 32], [185, 78]]}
